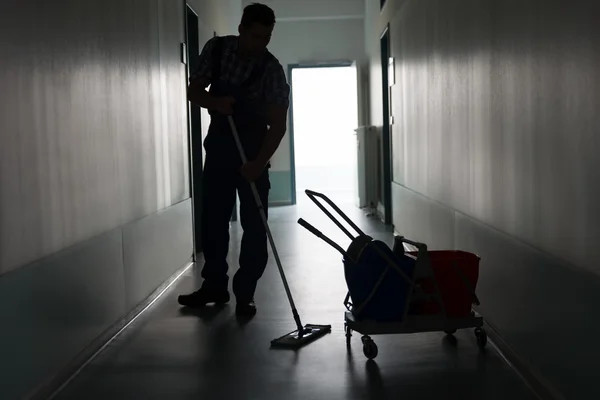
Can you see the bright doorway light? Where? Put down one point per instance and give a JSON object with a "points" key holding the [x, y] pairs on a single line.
{"points": [[325, 115]]}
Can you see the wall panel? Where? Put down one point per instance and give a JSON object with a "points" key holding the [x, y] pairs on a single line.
{"points": [[495, 140], [93, 135]]}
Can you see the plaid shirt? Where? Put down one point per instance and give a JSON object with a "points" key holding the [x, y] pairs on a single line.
{"points": [[273, 87]]}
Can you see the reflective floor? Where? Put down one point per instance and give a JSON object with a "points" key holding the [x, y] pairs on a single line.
{"points": [[171, 353]]}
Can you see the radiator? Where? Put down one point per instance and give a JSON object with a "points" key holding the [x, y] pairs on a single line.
{"points": [[368, 166]]}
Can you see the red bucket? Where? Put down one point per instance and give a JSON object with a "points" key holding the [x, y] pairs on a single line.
{"points": [[456, 274]]}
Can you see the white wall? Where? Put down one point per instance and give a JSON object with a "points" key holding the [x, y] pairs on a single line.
{"points": [[293, 9], [93, 132], [310, 31], [493, 153], [103, 142], [222, 16], [376, 20]]}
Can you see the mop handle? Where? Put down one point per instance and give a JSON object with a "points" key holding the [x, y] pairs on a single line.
{"points": [[262, 214]]}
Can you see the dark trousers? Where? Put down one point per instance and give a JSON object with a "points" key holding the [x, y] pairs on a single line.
{"points": [[219, 185]]}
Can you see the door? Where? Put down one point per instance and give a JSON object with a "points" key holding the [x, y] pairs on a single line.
{"points": [[194, 126], [385, 195]]}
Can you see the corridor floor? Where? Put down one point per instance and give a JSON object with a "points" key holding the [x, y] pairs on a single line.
{"points": [[171, 353]]}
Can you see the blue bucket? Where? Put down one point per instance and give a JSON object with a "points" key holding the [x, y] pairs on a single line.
{"points": [[389, 301]]}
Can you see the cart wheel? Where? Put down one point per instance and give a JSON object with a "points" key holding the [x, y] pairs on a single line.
{"points": [[370, 348], [481, 336], [450, 332]]}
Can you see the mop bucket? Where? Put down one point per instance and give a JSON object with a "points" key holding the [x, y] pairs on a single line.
{"points": [[379, 292], [456, 273]]}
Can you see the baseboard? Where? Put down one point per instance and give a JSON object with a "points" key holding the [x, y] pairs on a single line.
{"points": [[53, 385], [541, 387], [280, 203]]}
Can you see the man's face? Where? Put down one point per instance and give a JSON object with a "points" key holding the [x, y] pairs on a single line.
{"points": [[255, 38]]}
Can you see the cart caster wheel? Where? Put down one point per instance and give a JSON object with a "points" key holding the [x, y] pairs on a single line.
{"points": [[481, 336], [450, 332], [370, 348]]}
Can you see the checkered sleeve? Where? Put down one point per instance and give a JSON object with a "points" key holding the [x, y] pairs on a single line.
{"points": [[202, 69], [277, 90]]}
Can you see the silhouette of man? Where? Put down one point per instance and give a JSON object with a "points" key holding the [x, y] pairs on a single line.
{"points": [[247, 82]]}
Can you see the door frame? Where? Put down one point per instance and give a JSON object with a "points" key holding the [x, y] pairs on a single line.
{"points": [[386, 132], [195, 180], [185, 53], [291, 67]]}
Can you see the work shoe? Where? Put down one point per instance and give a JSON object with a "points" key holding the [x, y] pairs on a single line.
{"points": [[245, 308], [203, 297]]}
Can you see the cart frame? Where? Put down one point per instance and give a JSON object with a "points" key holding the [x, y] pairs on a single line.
{"points": [[410, 323]]}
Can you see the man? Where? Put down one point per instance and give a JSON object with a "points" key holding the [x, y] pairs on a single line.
{"points": [[247, 82]]}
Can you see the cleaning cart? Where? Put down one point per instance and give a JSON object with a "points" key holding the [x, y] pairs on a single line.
{"points": [[393, 291]]}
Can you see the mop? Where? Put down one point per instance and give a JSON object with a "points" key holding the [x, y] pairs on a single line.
{"points": [[304, 334]]}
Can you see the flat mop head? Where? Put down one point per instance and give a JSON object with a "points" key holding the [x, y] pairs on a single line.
{"points": [[296, 339]]}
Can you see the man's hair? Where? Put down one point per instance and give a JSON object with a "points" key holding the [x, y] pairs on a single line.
{"points": [[258, 13]]}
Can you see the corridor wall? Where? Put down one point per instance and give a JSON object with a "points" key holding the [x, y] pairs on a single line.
{"points": [[95, 210], [495, 145]]}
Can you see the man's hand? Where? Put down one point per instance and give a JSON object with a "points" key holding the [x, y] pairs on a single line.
{"points": [[252, 170], [277, 120], [224, 105]]}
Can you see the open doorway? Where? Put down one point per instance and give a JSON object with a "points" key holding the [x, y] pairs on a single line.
{"points": [[324, 116]]}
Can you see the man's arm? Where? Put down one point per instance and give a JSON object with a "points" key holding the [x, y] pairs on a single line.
{"points": [[277, 94], [277, 117]]}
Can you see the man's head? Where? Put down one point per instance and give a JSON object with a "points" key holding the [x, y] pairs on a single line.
{"points": [[255, 29]]}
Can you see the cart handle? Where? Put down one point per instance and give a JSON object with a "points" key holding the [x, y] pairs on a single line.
{"points": [[314, 195], [320, 235], [418, 245]]}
